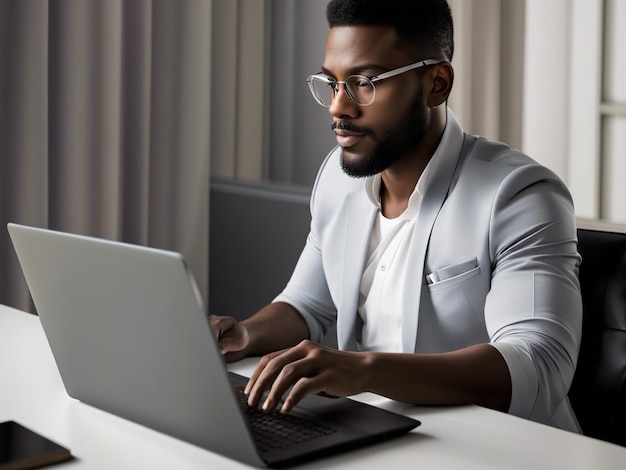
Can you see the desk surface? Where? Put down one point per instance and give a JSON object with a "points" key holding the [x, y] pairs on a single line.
{"points": [[467, 437]]}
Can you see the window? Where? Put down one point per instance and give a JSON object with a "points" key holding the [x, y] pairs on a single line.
{"points": [[612, 112], [597, 131]]}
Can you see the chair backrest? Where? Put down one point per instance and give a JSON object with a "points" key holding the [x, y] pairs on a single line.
{"points": [[598, 392], [257, 231]]}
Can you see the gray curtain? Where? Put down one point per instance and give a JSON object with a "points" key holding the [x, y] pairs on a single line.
{"points": [[105, 125]]}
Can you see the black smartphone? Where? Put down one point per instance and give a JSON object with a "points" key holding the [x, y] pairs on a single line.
{"points": [[22, 448]]}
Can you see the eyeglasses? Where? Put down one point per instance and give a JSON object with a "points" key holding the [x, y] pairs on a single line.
{"points": [[360, 89]]}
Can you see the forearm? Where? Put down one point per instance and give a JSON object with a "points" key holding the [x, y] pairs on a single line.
{"points": [[276, 326], [477, 375]]}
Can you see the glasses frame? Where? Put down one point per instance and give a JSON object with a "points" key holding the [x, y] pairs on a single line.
{"points": [[334, 84]]}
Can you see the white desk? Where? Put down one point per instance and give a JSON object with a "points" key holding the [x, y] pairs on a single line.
{"points": [[470, 437]]}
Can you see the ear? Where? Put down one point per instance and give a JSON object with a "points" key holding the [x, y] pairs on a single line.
{"points": [[441, 80]]}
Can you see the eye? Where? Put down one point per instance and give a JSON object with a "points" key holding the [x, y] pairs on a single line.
{"points": [[359, 81]]}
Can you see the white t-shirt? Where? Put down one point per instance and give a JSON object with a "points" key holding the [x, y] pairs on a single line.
{"points": [[380, 295]]}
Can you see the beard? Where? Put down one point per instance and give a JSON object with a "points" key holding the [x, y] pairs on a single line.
{"points": [[396, 143]]}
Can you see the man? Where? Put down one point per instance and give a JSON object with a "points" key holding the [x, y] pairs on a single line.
{"points": [[447, 262]]}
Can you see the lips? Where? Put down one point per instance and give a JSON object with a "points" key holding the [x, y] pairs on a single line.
{"points": [[348, 138]]}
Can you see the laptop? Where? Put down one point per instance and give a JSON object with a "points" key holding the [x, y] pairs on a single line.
{"points": [[130, 335]]}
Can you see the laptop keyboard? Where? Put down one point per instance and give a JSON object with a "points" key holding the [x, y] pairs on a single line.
{"points": [[276, 430]]}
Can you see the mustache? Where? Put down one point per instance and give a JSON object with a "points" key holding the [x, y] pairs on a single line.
{"points": [[347, 126]]}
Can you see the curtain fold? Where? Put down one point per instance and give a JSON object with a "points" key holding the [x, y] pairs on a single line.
{"points": [[488, 62], [105, 125]]}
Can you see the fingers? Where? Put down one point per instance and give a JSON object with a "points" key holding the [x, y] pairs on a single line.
{"points": [[300, 368], [303, 387], [231, 336], [220, 325], [264, 377], [215, 327], [260, 368]]}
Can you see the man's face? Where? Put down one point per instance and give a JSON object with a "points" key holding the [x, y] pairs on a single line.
{"points": [[375, 136]]}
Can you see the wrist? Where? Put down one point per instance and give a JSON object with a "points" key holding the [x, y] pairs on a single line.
{"points": [[367, 366], [248, 338]]}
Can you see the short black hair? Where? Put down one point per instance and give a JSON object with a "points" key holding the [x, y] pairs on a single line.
{"points": [[423, 26]]}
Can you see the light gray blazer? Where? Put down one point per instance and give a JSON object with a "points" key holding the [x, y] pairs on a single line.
{"points": [[494, 261]]}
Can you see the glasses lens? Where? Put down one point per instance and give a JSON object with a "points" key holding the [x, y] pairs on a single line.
{"points": [[321, 89], [360, 89]]}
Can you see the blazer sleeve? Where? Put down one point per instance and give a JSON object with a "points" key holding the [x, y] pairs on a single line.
{"points": [[307, 290], [533, 311]]}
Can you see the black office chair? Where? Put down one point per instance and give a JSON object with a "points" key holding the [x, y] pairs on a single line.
{"points": [[598, 392]]}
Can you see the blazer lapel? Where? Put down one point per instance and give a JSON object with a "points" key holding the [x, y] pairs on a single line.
{"points": [[435, 194], [415, 281], [359, 219]]}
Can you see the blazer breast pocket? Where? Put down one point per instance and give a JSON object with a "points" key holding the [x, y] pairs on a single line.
{"points": [[452, 275]]}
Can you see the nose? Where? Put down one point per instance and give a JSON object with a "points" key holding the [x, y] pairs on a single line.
{"points": [[342, 106]]}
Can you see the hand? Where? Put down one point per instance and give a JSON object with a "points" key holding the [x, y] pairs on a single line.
{"points": [[232, 336], [308, 368]]}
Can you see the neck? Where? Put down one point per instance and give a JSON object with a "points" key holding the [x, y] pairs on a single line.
{"points": [[400, 179]]}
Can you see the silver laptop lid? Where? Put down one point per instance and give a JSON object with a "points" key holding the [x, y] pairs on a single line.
{"points": [[130, 336]]}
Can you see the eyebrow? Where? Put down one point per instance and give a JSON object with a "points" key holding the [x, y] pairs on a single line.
{"points": [[359, 69]]}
